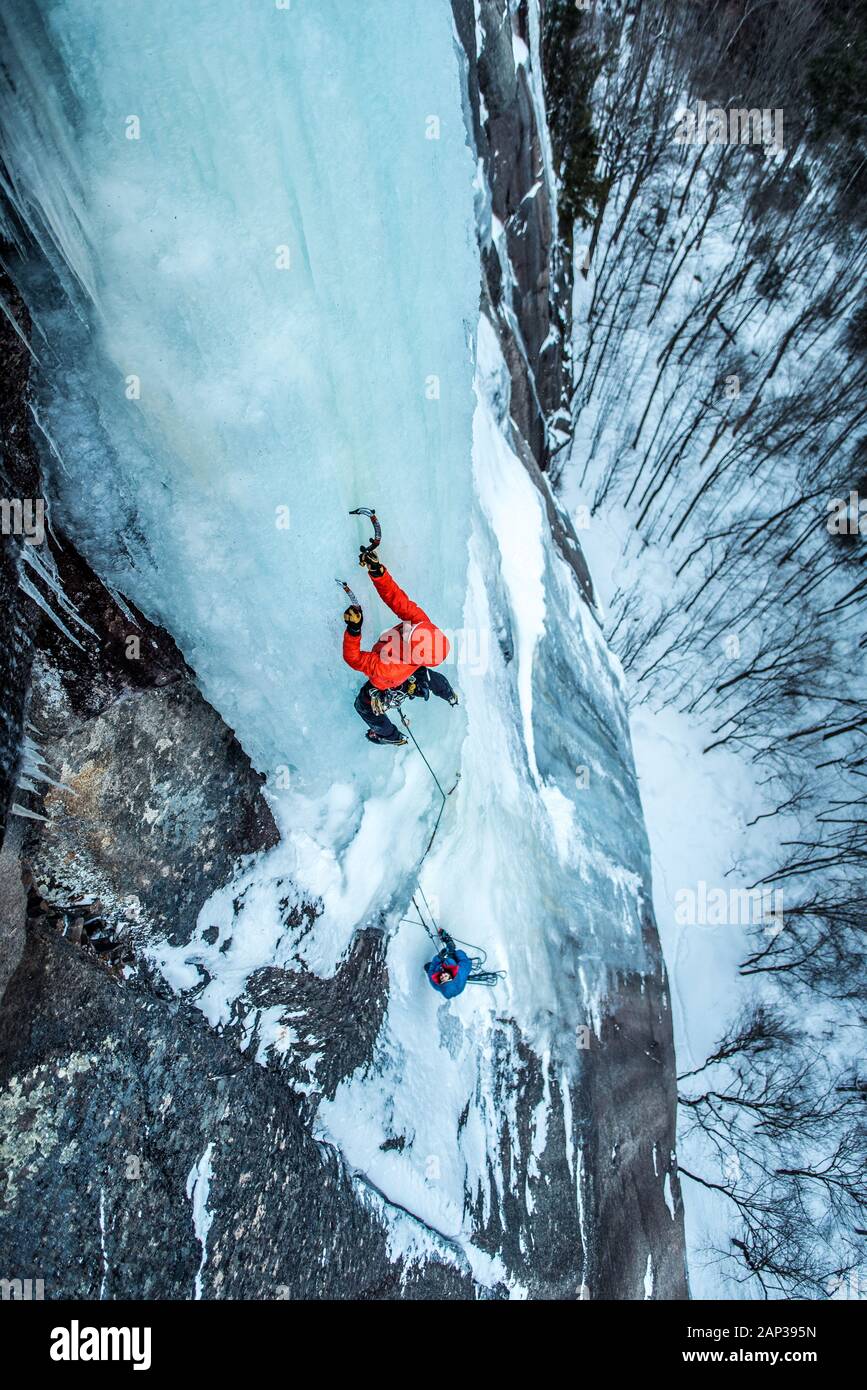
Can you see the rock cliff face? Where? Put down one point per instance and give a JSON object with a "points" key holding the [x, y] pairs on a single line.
{"points": [[137, 796], [19, 478], [111, 1092], [116, 1104], [121, 1107], [527, 277], [531, 303]]}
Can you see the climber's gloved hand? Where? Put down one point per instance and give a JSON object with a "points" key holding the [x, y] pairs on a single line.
{"points": [[353, 617], [367, 559]]}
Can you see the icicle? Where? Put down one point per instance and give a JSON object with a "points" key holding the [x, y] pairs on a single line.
{"points": [[15, 324], [33, 558], [32, 592], [31, 748], [17, 810], [47, 437], [32, 773], [28, 770], [122, 604]]}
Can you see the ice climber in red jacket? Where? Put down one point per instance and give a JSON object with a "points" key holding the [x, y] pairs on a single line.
{"points": [[399, 666]]}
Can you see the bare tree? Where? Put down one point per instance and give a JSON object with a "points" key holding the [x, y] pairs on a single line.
{"points": [[786, 1136]]}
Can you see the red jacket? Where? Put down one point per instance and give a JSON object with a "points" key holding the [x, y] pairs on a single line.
{"points": [[411, 643]]}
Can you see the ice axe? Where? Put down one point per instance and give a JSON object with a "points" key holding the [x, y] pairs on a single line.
{"points": [[369, 548], [373, 543], [346, 589]]}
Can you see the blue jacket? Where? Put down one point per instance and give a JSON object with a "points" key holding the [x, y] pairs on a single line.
{"points": [[458, 984]]}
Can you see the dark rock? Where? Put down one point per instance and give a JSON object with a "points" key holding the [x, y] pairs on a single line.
{"points": [[534, 324], [619, 1095], [13, 902], [115, 1097], [535, 335], [334, 1021], [496, 65], [109, 1102], [158, 799], [158, 802], [120, 652], [620, 1098], [628, 1099], [561, 525]]}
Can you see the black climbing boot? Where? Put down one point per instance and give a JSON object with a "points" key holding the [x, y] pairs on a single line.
{"points": [[374, 737]]}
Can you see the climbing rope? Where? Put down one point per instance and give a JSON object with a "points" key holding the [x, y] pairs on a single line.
{"points": [[478, 975], [445, 795], [421, 922], [427, 905]]}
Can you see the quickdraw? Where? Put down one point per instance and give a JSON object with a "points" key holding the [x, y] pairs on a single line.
{"points": [[382, 700]]}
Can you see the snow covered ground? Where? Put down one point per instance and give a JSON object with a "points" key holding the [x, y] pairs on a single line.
{"points": [[697, 808]]}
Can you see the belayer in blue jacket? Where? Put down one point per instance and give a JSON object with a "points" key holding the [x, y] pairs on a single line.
{"points": [[449, 971]]}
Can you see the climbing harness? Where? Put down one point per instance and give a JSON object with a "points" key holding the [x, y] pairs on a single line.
{"points": [[383, 700]]}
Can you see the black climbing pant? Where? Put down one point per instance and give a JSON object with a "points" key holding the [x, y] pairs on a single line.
{"points": [[426, 681]]}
